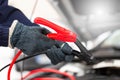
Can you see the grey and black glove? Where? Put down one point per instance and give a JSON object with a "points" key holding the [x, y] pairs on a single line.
{"points": [[60, 53], [32, 40]]}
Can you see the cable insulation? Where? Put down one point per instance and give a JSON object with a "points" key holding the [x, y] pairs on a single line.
{"points": [[12, 63], [49, 70]]}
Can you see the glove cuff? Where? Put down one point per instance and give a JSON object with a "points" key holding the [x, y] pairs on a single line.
{"points": [[11, 29], [15, 32]]}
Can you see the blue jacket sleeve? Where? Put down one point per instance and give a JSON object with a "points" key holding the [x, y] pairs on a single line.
{"points": [[3, 2], [4, 36], [7, 15]]}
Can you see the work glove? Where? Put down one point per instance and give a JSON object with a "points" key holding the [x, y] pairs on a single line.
{"points": [[59, 53], [33, 40]]}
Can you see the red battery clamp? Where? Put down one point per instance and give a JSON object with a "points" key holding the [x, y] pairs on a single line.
{"points": [[62, 33]]}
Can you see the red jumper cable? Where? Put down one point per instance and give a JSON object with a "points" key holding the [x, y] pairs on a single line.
{"points": [[48, 78]]}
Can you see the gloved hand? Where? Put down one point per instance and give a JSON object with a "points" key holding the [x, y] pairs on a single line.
{"points": [[60, 53], [32, 40]]}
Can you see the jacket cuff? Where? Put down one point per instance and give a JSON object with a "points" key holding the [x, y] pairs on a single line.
{"points": [[4, 36], [11, 29]]}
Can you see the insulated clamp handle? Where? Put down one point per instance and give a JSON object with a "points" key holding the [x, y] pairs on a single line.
{"points": [[61, 34]]}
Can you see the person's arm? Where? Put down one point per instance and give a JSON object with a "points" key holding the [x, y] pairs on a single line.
{"points": [[7, 15], [29, 37]]}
